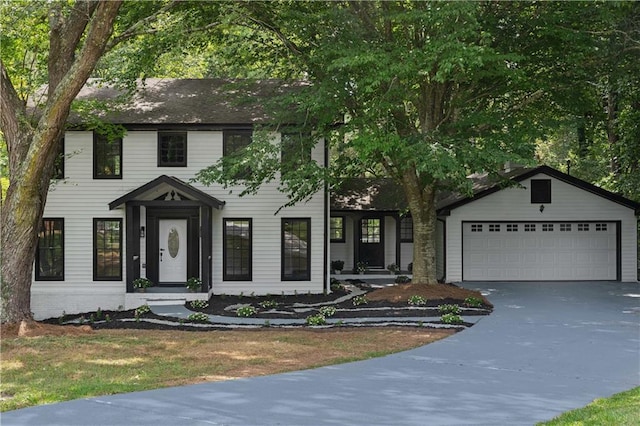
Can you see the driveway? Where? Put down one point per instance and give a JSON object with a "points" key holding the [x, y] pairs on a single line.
{"points": [[547, 348]]}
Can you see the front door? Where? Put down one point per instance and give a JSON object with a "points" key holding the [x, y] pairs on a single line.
{"points": [[371, 243], [172, 256]]}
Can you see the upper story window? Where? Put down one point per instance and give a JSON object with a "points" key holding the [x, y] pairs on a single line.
{"points": [[406, 230], [172, 149], [235, 141], [107, 157], [58, 167], [336, 229], [295, 153], [50, 251], [540, 191]]}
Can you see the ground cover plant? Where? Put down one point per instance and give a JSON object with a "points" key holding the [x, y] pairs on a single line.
{"points": [[622, 409]]}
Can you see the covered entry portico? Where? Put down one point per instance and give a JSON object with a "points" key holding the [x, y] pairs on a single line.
{"points": [[168, 232]]}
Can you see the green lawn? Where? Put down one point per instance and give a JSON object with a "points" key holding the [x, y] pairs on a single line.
{"points": [[621, 409]]}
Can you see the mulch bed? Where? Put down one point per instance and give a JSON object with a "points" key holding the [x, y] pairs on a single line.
{"points": [[387, 302]]}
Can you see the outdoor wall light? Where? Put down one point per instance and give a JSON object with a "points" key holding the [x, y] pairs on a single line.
{"points": [[541, 209], [142, 232]]}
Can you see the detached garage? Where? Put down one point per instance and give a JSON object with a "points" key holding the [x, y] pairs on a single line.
{"points": [[549, 226]]}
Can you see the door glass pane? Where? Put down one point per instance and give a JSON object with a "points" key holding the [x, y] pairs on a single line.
{"points": [[173, 242], [370, 231]]}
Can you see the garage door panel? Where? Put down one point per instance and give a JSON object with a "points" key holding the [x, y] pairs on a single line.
{"points": [[561, 252]]}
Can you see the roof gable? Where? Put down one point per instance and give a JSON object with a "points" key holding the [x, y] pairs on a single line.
{"points": [[159, 187], [520, 175]]}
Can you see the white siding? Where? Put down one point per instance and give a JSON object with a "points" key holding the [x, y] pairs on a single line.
{"points": [[79, 198], [569, 203]]}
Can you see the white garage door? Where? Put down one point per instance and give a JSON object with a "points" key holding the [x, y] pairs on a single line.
{"points": [[539, 251]]}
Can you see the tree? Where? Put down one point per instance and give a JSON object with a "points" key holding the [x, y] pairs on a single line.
{"points": [[423, 91], [60, 43]]}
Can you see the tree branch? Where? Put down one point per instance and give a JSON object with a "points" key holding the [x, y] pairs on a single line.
{"points": [[11, 109], [132, 31]]}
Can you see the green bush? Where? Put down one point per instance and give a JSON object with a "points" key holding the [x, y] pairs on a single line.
{"points": [[449, 309], [360, 300], [317, 319], [198, 317], [268, 304], [473, 302], [416, 300], [199, 304], [402, 279], [328, 311], [246, 311], [451, 319]]}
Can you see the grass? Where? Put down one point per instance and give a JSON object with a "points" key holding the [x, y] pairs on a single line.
{"points": [[621, 409], [47, 369]]}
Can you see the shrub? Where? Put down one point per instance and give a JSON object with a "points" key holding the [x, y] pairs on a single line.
{"points": [[199, 304], [449, 309], [473, 302], [246, 311], [336, 285], [268, 304], [451, 319], [393, 268], [317, 319], [328, 311], [194, 284], [143, 309], [416, 300], [198, 317], [402, 279], [360, 300], [142, 283], [337, 265]]}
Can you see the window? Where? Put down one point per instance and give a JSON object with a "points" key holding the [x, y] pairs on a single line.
{"points": [[296, 253], [107, 249], [50, 251], [237, 243], [107, 157], [547, 227], [406, 230], [58, 167], [172, 149], [601, 226], [565, 227], [294, 152], [529, 227], [540, 191], [512, 227], [370, 230], [233, 142], [494, 228], [476, 228], [336, 229], [583, 227]]}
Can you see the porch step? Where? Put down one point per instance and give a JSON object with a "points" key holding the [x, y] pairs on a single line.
{"points": [[172, 301]]}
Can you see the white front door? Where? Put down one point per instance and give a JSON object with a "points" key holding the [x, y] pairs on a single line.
{"points": [[173, 250]]}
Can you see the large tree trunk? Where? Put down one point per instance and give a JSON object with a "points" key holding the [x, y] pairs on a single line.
{"points": [[421, 200], [32, 152]]}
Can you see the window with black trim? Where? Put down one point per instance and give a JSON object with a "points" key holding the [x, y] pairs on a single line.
{"points": [[494, 228], [529, 227], [58, 166], [336, 229], [565, 227], [601, 226], [172, 149], [406, 229], [547, 227], [583, 227], [296, 249], [476, 228], [107, 249], [512, 227], [233, 142], [237, 245], [49, 264], [540, 191], [295, 151], [107, 157]]}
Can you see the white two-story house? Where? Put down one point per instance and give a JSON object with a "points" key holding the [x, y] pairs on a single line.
{"points": [[130, 208]]}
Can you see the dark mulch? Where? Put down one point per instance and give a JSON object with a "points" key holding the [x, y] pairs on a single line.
{"points": [[392, 302]]}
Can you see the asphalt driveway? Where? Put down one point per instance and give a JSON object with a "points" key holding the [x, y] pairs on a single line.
{"points": [[547, 348]]}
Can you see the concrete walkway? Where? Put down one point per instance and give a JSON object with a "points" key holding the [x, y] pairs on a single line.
{"points": [[547, 348]]}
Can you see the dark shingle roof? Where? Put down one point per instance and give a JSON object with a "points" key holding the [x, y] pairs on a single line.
{"points": [[384, 194], [188, 101]]}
